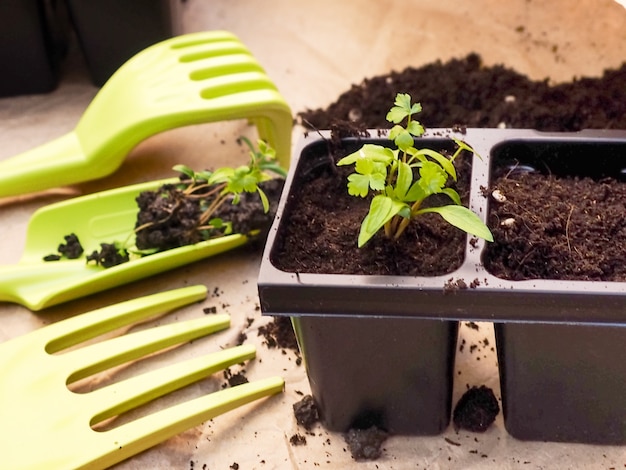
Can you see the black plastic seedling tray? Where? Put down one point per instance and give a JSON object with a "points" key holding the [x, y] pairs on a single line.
{"points": [[382, 347]]}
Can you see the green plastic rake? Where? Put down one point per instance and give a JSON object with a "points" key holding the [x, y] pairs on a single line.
{"points": [[47, 426], [189, 79]]}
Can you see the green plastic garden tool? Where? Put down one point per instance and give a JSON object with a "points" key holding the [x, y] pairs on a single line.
{"points": [[103, 217], [189, 79], [47, 426]]}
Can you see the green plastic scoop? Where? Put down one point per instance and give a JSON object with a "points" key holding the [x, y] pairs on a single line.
{"points": [[190, 79], [102, 217]]}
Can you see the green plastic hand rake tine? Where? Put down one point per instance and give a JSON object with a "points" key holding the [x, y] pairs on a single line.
{"points": [[189, 79], [51, 426]]}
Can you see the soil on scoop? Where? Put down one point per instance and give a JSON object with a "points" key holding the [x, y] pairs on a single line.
{"points": [[554, 242], [167, 219]]}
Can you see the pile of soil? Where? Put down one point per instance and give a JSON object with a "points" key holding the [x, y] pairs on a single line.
{"points": [[465, 93]]}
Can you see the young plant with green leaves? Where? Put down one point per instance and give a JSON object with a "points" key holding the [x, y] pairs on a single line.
{"points": [[214, 188], [188, 212], [401, 179]]}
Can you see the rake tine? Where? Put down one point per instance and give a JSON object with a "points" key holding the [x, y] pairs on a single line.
{"points": [[89, 325], [143, 433], [141, 389], [101, 356]]}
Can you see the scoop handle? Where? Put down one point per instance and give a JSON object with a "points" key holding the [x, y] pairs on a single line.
{"points": [[58, 162], [31, 284]]}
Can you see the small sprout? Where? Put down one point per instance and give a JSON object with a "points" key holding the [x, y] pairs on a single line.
{"points": [[401, 179], [498, 196]]}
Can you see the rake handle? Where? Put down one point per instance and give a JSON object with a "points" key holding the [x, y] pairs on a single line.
{"points": [[55, 163]]}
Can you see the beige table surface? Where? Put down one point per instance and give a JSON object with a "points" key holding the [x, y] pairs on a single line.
{"points": [[313, 52]]}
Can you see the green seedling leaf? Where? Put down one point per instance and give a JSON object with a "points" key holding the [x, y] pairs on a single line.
{"points": [[358, 185], [464, 146], [432, 178], [264, 200], [462, 218], [452, 194], [444, 162], [185, 170], [382, 209], [415, 128], [404, 140], [369, 151], [403, 180]]}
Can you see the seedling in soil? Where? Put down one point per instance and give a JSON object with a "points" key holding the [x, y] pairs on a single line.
{"points": [[192, 211], [401, 179], [189, 212]]}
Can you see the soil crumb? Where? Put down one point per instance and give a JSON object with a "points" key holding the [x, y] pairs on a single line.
{"points": [[297, 440], [279, 334], [476, 410], [366, 444], [306, 412]]}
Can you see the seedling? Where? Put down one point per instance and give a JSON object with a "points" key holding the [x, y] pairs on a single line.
{"points": [[188, 212], [401, 179]]}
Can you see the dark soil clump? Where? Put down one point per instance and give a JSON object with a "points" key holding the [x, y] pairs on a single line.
{"points": [[167, 219], [71, 249], [366, 444], [306, 412], [279, 334], [476, 410], [109, 255]]}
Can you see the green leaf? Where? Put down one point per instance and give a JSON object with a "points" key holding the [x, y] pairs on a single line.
{"points": [[204, 175], [463, 218], [185, 170], [358, 185], [432, 178], [404, 140], [403, 180], [444, 162], [395, 131], [403, 100], [369, 151], [221, 175], [415, 128], [416, 108], [397, 114], [416, 193], [465, 146], [264, 200], [382, 209], [452, 194]]}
